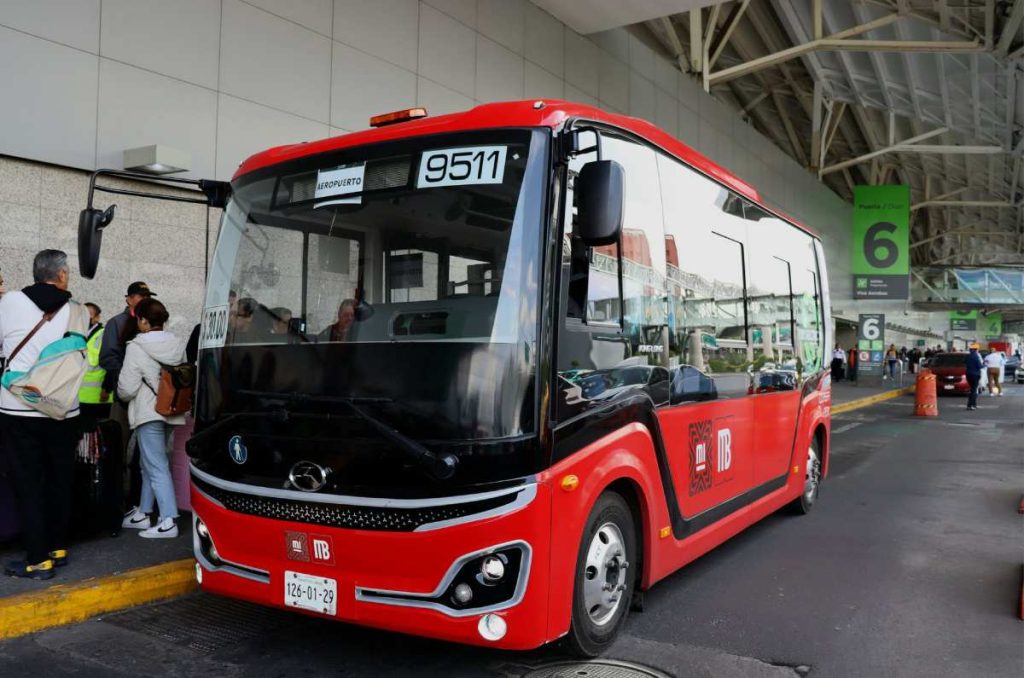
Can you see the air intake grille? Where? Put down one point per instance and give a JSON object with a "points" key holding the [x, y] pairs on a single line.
{"points": [[347, 516], [387, 174]]}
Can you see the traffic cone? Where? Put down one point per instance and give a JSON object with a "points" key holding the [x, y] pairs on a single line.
{"points": [[925, 400]]}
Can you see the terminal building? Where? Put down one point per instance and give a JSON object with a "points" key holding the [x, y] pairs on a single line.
{"points": [[932, 103]]}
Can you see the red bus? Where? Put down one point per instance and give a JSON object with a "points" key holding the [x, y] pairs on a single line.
{"points": [[488, 376]]}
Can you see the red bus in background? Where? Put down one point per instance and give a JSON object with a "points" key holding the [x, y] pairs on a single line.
{"points": [[498, 372]]}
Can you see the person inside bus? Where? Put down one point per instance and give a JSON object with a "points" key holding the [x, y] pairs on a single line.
{"points": [[339, 330], [137, 384], [245, 310]]}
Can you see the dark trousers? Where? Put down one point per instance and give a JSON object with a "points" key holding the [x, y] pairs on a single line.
{"points": [[973, 380], [41, 452], [837, 369]]}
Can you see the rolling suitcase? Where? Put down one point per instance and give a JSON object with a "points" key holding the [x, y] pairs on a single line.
{"points": [[99, 482]]}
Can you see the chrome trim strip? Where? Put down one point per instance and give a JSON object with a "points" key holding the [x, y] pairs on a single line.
{"points": [[228, 567], [350, 499], [384, 597], [525, 497]]}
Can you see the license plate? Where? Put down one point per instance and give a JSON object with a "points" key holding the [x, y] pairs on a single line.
{"points": [[307, 592], [948, 387]]}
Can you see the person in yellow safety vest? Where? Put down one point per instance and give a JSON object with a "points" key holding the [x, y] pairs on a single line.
{"points": [[93, 405]]}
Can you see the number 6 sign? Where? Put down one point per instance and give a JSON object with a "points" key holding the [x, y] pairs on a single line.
{"points": [[881, 242]]}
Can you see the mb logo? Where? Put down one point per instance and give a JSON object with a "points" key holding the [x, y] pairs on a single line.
{"points": [[723, 455], [321, 550], [724, 450]]}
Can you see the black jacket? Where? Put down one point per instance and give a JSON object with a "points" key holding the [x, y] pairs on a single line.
{"points": [[121, 329]]}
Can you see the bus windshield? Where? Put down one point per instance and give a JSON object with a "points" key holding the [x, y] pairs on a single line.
{"points": [[404, 274]]}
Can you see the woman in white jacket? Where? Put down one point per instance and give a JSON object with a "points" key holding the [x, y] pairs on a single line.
{"points": [[138, 384]]}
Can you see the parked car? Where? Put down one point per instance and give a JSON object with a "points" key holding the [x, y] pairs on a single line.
{"points": [[950, 371]]}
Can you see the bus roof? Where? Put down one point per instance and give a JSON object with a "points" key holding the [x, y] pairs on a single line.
{"points": [[532, 113]]}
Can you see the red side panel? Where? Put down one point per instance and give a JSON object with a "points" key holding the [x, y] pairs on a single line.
{"points": [[774, 429], [710, 448]]}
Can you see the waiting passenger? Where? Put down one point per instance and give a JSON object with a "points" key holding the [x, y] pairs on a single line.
{"points": [[338, 331], [137, 384], [891, 357], [838, 360]]}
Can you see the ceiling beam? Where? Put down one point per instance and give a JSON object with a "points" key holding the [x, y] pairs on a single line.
{"points": [[928, 198], [696, 42], [723, 37], [947, 148], [882, 151], [769, 60], [1010, 28], [965, 203], [958, 46]]}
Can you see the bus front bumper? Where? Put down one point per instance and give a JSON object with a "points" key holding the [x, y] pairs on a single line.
{"points": [[398, 581]]}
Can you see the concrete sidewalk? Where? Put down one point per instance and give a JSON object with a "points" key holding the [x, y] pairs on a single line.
{"points": [[103, 574]]}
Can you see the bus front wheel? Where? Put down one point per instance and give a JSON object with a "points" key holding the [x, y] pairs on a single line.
{"points": [[605, 579]]}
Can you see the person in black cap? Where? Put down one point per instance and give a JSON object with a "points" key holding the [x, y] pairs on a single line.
{"points": [[119, 331]]}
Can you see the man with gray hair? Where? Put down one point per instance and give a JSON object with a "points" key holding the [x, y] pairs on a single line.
{"points": [[41, 450]]}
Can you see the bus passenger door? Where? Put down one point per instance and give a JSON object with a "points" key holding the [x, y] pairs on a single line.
{"points": [[707, 427]]}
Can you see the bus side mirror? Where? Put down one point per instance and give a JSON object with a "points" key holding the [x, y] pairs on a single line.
{"points": [[600, 200], [91, 223]]}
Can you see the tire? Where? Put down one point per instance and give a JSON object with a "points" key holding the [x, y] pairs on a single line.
{"points": [[803, 504], [608, 554]]}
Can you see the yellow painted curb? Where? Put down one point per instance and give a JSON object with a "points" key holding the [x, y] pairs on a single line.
{"points": [[871, 400], [70, 603]]}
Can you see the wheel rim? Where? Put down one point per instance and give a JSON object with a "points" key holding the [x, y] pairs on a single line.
{"points": [[604, 576], [813, 475]]}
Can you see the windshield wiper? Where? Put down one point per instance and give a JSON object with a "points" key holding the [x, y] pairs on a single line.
{"points": [[440, 466]]}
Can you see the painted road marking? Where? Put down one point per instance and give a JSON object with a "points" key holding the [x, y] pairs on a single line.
{"points": [[846, 427]]}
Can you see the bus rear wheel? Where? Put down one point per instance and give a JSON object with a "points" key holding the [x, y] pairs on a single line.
{"points": [[812, 481], [605, 577]]}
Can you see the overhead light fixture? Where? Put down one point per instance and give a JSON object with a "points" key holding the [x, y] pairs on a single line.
{"points": [[157, 160]]}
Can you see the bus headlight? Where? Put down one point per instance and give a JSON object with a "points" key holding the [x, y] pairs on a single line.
{"points": [[492, 569]]}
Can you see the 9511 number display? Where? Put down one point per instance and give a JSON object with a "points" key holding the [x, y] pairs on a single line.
{"points": [[462, 166], [318, 594]]}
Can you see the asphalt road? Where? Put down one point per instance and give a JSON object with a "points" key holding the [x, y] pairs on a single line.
{"points": [[910, 565]]}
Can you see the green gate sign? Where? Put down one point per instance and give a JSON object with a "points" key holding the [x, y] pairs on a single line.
{"points": [[881, 242], [963, 321], [992, 326]]}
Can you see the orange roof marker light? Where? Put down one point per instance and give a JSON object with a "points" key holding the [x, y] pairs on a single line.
{"points": [[397, 116]]}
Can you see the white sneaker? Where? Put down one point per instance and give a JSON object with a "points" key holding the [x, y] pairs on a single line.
{"points": [[136, 520], [165, 529]]}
